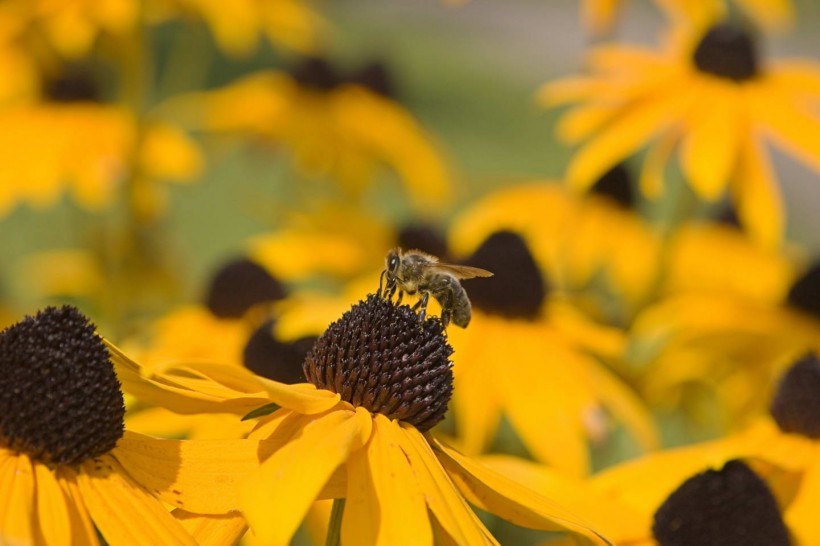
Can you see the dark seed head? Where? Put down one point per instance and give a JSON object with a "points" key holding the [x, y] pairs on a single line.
{"points": [[727, 51], [424, 237], [60, 401], [516, 289], [381, 357], [721, 508], [240, 285], [796, 404], [805, 292], [617, 185], [316, 73], [375, 77], [73, 84], [267, 356]]}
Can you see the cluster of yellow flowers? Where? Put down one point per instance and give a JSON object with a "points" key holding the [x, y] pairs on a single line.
{"points": [[642, 367]]}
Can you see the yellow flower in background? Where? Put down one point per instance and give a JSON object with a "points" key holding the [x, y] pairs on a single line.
{"points": [[292, 24], [598, 16], [709, 98], [341, 127], [717, 352], [539, 362], [362, 441], [783, 451], [61, 422], [578, 240]]}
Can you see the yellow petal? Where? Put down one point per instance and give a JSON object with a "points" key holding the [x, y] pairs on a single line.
{"points": [[568, 90], [212, 530], [82, 529], [122, 510], [449, 508], [292, 478], [773, 14], [801, 515], [598, 15], [583, 121], [54, 526], [385, 505], [201, 476], [793, 128], [759, 204], [17, 499], [517, 504], [303, 398], [627, 133], [167, 152], [657, 158], [709, 148]]}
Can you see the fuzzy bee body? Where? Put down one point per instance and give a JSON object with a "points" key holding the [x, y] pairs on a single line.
{"points": [[416, 272]]}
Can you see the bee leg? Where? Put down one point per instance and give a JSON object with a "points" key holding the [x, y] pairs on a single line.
{"points": [[381, 283], [422, 305], [446, 310], [401, 295]]}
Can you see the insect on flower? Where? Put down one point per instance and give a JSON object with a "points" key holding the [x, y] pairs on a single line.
{"points": [[414, 271]]}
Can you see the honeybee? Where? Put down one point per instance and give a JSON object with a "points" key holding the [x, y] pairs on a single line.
{"points": [[414, 271]]}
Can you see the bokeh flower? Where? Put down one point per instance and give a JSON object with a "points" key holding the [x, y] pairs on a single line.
{"points": [[707, 96]]}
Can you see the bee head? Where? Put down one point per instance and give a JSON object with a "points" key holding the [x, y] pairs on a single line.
{"points": [[392, 262]]}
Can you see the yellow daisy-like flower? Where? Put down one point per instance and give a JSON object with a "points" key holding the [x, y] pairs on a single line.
{"points": [[61, 424], [709, 98], [537, 360], [598, 16], [380, 380], [783, 450], [335, 126]]}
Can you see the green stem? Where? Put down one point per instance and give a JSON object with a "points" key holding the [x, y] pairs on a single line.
{"points": [[334, 528]]}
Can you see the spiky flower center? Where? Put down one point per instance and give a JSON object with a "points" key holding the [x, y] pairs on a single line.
{"points": [[73, 84], [240, 285], [517, 288], [60, 400], [382, 357], [727, 51], [796, 404], [727, 506]]}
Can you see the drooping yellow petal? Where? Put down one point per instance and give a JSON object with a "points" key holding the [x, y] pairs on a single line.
{"points": [[709, 147], [201, 476], [652, 179], [17, 500], [82, 529], [791, 126], [801, 515], [53, 526], [385, 505], [501, 496], [303, 398], [449, 508], [122, 510], [631, 130], [759, 204], [212, 530], [292, 478]]}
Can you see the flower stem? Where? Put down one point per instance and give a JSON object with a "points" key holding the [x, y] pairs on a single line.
{"points": [[334, 528]]}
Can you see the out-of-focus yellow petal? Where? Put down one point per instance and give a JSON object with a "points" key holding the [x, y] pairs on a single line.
{"points": [[794, 128], [291, 479], [201, 476], [598, 16], [53, 526], [801, 514], [385, 505], [449, 508], [122, 510], [567, 90], [618, 523], [17, 502], [584, 121], [512, 501], [709, 149], [773, 14], [60, 273], [631, 130], [212, 530], [652, 179], [167, 152], [82, 529], [759, 204]]}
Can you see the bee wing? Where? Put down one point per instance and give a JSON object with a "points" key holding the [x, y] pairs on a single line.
{"points": [[462, 271]]}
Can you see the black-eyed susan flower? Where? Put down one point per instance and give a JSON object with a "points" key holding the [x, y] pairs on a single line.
{"points": [[379, 378], [337, 126], [782, 450], [61, 422], [709, 98], [538, 361]]}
